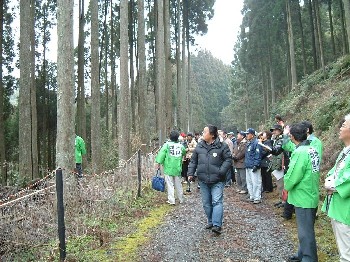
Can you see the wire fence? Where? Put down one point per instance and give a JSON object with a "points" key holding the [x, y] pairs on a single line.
{"points": [[29, 219]]}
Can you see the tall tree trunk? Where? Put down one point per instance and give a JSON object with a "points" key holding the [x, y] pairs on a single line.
{"points": [[142, 83], [65, 90], [312, 30], [95, 91], [113, 79], [106, 66], [178, 108], [343, 29], [302, 40], [291, 46], [34, 116], [131, 59], [25, 144], [124, 85], [160, 72], [188, 85], [133, 100], [2, 121], [331, 27], [184, 112], [346, 4], [168, 69], [80, 116], [319, 33]]}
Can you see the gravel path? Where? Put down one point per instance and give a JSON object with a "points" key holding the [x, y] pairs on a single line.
{"points": [[250, 233]]}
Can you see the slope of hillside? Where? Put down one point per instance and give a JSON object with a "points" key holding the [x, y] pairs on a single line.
{"points": [[324, 99]]}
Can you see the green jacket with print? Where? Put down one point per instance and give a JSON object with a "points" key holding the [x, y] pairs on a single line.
{"points": [[170, 156], [339, 206], [302, 178]]}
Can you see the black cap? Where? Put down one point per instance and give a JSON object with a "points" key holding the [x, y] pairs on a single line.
{"points": [[276, 126]]}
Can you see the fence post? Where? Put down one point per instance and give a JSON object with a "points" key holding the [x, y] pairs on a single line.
{"points": [[139, 172], [60, 214]]}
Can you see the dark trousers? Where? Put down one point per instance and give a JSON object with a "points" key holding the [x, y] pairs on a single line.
{"points": [[79, 169], [185, 168], [306, 234], [233, 175], [266, 179], [288, 210]]}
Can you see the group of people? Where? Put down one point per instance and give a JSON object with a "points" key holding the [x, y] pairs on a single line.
{"points": [[291, 154]]}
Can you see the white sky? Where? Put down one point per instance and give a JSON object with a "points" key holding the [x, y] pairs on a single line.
{"points": [[223, 29]]}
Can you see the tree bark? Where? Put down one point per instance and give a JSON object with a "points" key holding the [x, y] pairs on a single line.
{"points": [[302, 40], [343, 29], [331, 27], [2, 121], [25, 136], [169, 116], [95, 91], [291, 46], [65, 91], [312, 30], [113, 80], [178, 107], [346, 4], [184, 112], [319, 34], [124, 85], [160, 72], [142, 84], [80, 116]]}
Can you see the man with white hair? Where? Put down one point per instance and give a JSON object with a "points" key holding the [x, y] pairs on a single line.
{"points": [[337, 202]]}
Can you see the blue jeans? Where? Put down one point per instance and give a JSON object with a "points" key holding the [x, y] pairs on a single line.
{"points": [[212, 200]]}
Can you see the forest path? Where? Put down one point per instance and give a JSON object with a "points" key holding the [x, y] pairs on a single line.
{"points": [[251, 232]]}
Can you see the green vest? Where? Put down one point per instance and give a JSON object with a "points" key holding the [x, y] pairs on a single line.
{"points": [[80, 149]]}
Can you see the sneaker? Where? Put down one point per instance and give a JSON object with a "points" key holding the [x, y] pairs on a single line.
{"points": [[249, 200], [238, 190], [257, 201], [209, 226], [216, 230], [242, 192], [173, 204]]}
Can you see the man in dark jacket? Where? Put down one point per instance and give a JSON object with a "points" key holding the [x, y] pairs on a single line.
{"points": [[211, 159], [252, 165]]}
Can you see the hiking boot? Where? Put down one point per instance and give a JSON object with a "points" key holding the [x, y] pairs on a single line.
{"points": [[258, 201], [250, 200], [242, 192], [216, 230], [173, 204], [209, 226]]}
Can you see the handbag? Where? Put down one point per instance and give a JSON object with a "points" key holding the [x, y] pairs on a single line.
{"points": [[158, 182]]}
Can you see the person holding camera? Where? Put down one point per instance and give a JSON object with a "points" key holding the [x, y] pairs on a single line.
{"points": [[211, 159]]}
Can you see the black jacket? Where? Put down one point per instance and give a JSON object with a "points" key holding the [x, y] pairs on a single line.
{"points": [[210, 161]]}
